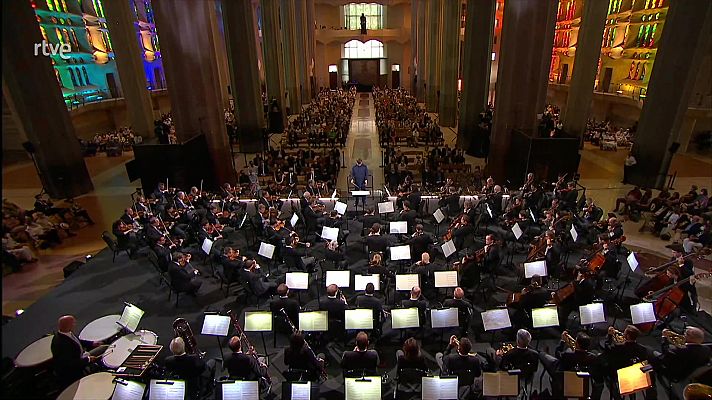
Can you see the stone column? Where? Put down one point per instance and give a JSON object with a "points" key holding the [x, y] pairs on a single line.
{"points": [[525, 30], [433, 54], [121, 21], [547, 49], [218, 39], [272, 48], [34, 95], [479, 31], [302, 50], [291, 70], [311, 20], [588, 51], [450, 54], [193, 78], [420, 54], [680, 52], [241, 40]]}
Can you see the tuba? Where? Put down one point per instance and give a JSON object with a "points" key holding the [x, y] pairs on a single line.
{"points": [[181, 328]]}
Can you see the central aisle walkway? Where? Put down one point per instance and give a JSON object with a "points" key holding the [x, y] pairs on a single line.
{"points": [[362, 142]]}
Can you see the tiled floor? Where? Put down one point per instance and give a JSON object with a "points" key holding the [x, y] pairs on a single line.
{"points": [[601, 173]]}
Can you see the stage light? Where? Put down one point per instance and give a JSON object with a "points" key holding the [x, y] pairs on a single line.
{"points": [[19, 312]]}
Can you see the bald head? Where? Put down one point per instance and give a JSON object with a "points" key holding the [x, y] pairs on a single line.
{"points": [[694, 335], [235, 344], [415, 292], [331, 290], [459, 293], [66, 323]]}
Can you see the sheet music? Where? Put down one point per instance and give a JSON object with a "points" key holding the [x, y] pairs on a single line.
{"points": [[360, 281], [360, 193], [573, 384], [240, 390], [330, 233], [448, 248], [445, 318], [399, 227], [436, 388], [445, 279], [406, 281], [340, 207], [216, 325], [405, 318], [386, 207], [131, 317], [166, 390], [592, 313], [489, 211], [574, 234], [632, 261], [545, 317], [128, 390], [632, 379], [496, 319], [342, 279], [535, 268], [297, 280], [368, 388], [314, 321], [266, 250], [258, 321], [293, 220], [207, 246], [517, 230], [301, 391], [400, 253], [500, 384], [439, 216], [642, 313], [359, 318]]}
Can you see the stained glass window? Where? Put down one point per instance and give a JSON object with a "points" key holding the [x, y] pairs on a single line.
{"points": [[358, 49], [372, 11]]}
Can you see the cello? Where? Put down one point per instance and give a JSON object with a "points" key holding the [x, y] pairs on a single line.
{"points": [[670, 298]]}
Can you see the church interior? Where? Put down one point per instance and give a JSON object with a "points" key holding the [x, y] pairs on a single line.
{"points": [[327, 199]]}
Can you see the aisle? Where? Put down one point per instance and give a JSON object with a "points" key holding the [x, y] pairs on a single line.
{"points": [[362, 142]]}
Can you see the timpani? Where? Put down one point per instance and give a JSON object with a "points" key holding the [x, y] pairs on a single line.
{"points": [[36, 353], [119, 351], [99, 386], [101, 329]]}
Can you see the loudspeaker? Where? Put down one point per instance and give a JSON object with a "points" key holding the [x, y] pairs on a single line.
{"points": [[71, 268], [29, 147], [674, 147]]}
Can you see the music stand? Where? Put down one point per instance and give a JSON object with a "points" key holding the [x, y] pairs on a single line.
{"points": [[239, 390], [445, 279], [360, 281], [633, 265], [444, 318], [342, 279], [297, 281], [216, 325], [130, 317], [634, 379], [406, 282], [259, 321], [517, 231], [166, 389], [576, 384], [494, 320], [314, 321], [544, 317], [128, 390], [535, 268], [364, 388], [398, 227], [359, 318], [439, 388], [386, 207], [404, 318], [330, 233], [300, 391], [267, 251], [642, 313], [591, 314], [293, 221], [400, 253], [448, 249], [574, 234], [499, 384]]}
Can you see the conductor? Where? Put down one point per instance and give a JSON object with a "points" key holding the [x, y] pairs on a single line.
{"points": [[359, 178]]}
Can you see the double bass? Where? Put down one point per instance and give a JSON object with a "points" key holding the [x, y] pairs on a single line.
{"points": [[670, 298]]}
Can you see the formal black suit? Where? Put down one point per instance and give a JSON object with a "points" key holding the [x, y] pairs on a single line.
{"points": [[357, 360], [372, 302], [454, 362], [231, 269], [553, 258], [420, 244], [188, 367], [418, 362], [495, 203], [153, 234], [164, 256], [518, 358], [182, 280], [377, 243], [304, 359], [255, 279], [459, 234], [421, 304], [68, 358], [334, 306], [492, 259], [240, 365], [679, 362], [409, 216], [291, 307], [369, 220]]}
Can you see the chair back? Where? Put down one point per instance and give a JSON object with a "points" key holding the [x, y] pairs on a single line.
{"points": [[106, 236], [153, 258], [410, 375], [465, 377]]}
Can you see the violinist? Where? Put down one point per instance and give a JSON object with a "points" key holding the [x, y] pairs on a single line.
{"points": [[176, 222], [232, 262], [552, 256], [495, 201], [528, 185], [293, 258], [615, 229], [464, 229], [160, 197], [409, 215], [164, 252], [126, 237], [532, 296], [611, 266], [569, 196], [154, 230], [420, 241], [266, 199], [129, 217], [196, 198], [183, 275], [182, 202], [143, 210], [370, 218], [252, 274], [375, 241], [490, 259], [489, 186], [469, 210], [208, 231]]}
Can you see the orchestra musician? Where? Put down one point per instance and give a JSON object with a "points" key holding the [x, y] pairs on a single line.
{"points": [[243, 366], [208, 231], [495, 201], [520, 357], [232, 263], [335, 304], [552, 256], [458, 357], [164, 252], [377, 266], [488, 188], [568, 196], [416, 300], [298, 356], [370, 218], [369, 300], [375, 241], [410, 356], [491, 258], [283, 301], [464, 308], [584, 288], [183, 275], [69, 359], [293, 258], [677, 363], [458, 234], [578, 358], [253, 275], [409, 215], [420, 241], [532, 296], [266, 199], [360, 358], [126, 237], [618, 355], [189, 367]]}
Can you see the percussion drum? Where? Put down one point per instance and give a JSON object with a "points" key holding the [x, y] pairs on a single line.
{"points": [[101, 329], [99, 386], [118, 351], [36, 353]]}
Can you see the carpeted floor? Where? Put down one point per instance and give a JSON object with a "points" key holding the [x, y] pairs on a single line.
{"points": [[100, 287]]}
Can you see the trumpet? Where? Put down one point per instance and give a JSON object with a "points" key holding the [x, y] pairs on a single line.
{"points": [[569, 340], [674, 338], [505, 348], [616, 335]]}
